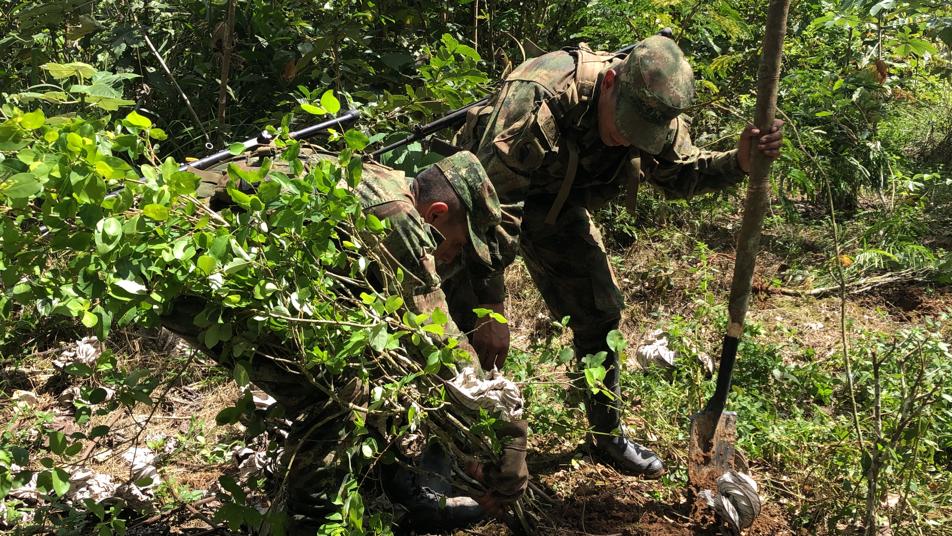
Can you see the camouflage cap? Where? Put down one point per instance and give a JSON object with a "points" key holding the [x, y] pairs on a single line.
{"points": [[478, 196], [656, 84]]}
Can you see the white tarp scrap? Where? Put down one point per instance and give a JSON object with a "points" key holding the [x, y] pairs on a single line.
{"points": [[87, 484], [84, 351], [655, 351], [142, 459], [494, 393]]}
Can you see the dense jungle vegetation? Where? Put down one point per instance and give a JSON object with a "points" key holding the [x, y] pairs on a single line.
{"points": [[842, 384]]}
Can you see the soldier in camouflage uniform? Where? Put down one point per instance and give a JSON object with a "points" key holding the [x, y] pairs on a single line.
{"points": [[565, 133], [445, 211]]}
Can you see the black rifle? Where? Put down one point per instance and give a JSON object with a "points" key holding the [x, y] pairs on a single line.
{"points": [[454, 119], [265, 138], [262, 139]]}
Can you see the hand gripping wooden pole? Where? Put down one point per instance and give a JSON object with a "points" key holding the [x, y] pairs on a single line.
{"points": [[711, 448]]}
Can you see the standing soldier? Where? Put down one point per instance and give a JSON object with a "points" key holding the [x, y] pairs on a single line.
{"points": [[565, 133]]}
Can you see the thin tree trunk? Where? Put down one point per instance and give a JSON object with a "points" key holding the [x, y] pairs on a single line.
{"points": [[227, 46], [748, 241]]}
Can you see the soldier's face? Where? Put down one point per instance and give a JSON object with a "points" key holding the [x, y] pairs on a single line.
{"points": [[455, 238], [607, 97]]}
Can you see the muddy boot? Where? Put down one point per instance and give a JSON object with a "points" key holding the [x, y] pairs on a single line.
{"points": [[608, 436], [425, 491]]}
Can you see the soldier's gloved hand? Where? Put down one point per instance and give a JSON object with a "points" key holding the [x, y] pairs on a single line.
{"points": [[769, 143], [491, 339], [507, 480]]}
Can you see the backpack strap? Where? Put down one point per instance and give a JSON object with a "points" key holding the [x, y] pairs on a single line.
{"points": [[566, 188]]}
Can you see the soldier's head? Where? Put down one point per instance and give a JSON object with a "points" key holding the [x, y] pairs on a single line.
{"points": [[640, 99], [456, 197]]}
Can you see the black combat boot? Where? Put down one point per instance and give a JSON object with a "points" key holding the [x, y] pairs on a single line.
{"points": [[608, 436], [424, 489]]}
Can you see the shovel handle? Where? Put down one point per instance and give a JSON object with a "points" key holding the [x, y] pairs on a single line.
{"points": [[715, 406]]}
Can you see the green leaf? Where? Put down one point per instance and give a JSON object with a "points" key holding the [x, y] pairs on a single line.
{"points": [[946, 36], [314, 110], [89, 319], [137, 120], [107, 235], [60, 71], [156, 212], [329, 102], [158, 134], [356, 139], [228, 416], [33, 120], [57, 442], [439, 317], [616, 341], [207, 264], [183, 183], [21, 186], [236, 148]]}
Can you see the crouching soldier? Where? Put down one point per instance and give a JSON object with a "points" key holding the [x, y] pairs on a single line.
{"points": [[433, 219]]}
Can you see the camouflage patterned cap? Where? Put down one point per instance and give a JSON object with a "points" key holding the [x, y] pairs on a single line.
{"points": [[656, 84], [470, 182]]}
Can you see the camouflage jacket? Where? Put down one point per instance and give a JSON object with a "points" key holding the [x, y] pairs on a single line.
{"points": [[544, 112]]}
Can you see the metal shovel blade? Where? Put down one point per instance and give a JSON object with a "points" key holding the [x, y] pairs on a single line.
{"points": [[711, 451]]}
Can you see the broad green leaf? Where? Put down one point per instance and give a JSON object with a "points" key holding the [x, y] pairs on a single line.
{"points": [[107, 235], [356, 139], [60, 481], [137, 120], [57, 442], [329, 102], [236, 148], [60, 71], [616, 341], [33, 120], [89, 319], [156, 212], [21, 186], [314, 110], [207, 264]]}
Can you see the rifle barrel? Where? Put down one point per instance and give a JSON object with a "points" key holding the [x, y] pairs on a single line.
{"points": [[265, 137]]}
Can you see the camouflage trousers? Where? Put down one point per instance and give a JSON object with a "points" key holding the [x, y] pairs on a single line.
{"points": [[569, 266]]}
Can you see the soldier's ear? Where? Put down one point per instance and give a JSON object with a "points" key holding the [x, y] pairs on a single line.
{"points": [[609, 80], [434, 211]]}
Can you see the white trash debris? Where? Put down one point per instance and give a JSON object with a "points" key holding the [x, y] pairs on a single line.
{"points": [[87, 484], [493, 392], [655, 351], [141, 459], [262, 400], [84, 351], [736, 502]]}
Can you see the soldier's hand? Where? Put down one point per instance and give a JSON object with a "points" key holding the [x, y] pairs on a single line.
{"points": [[768, 143], [488, 500], [491, 339]]}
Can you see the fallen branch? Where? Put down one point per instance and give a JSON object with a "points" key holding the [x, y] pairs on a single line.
{"points": [[853, 287]]}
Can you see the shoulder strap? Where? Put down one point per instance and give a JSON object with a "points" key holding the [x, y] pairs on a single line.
{"points": [[566, 188]]}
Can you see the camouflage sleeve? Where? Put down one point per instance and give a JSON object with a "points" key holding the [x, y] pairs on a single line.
{"points": [[682, 170], [512, 147]]}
